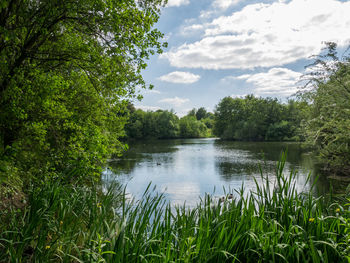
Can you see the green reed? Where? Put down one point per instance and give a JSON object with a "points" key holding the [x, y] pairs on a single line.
{"points": [[274, 223]]}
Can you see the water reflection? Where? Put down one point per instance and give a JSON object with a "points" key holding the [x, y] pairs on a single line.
{"points": [[179, 192], [230, 170], [184, 170]]}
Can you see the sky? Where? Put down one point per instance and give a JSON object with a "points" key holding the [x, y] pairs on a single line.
{"points": [[220, 48]]}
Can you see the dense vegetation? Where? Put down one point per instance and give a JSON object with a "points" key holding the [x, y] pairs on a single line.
{"points": [[67, 71], [247, 119], [328, 126], [258, 119], [163, 124], [274, 224]]}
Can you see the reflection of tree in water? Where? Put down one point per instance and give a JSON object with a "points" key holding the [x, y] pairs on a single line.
{"points": [[328, 184], [229, 170], [269, 151], [151, 146], [265, 154], [126, 165], [339, 186], [232, 160], [157, 151]]}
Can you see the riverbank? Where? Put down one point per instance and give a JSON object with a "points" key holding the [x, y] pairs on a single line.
{"points": [[84, 224]]}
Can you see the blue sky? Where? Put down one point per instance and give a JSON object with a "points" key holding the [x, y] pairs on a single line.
{"points": [[221, 48]]}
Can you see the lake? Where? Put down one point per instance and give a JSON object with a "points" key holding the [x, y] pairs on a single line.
{"points": [[185, 169]]}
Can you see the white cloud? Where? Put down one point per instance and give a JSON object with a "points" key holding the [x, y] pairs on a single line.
{"points": [[176, 101], [152, 91], [180, 77], [192, 29], [206, 14], [217, 7], [266, 35], [167, 36], [224, 4], [177, 3], [277, 81]]}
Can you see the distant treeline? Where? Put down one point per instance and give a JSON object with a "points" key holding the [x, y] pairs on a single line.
{"points": [[320, 117], [249, 118], [259, 119], [163, 124]]}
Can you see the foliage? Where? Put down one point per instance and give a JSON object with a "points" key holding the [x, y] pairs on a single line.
{"points": [[165, 124], [328, 127], [159, 124], [257, 119], [190, 127], [67, 69], [272, 224], [64, 222], [249, 119]]}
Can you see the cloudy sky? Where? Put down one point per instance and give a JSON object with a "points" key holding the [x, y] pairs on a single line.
{"points": [[221, 48]]}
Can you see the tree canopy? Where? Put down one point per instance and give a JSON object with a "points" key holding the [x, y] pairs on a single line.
{"points": [[328, 126], [67, 70], [257, 119], [163, 124]]}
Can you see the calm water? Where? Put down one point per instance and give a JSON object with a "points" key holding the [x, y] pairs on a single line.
{"points": [[184, 170]]}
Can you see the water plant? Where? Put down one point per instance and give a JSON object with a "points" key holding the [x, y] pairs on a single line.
{"points": [[275, 223]]}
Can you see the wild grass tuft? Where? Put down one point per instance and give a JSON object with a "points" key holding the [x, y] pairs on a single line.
{"points": [[275, 223]]}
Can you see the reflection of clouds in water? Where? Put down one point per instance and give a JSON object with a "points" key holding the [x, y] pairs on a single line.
{"points": [[179, 192], [184, 170]]}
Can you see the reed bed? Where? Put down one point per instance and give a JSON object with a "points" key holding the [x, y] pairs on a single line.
{"points": [[275, 223]]}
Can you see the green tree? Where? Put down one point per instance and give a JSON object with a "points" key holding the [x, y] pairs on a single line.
{"points": [[255, 119], [190, 127], [279, 131], [67, 70], [201, 113], [135, 127], [228, 113], [164, 125], [328, 128], [160, 124], [209, 122], [192, 112], [168, 125]]}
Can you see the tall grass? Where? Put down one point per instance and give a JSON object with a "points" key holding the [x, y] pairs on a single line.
{"points": [[273, 224]]}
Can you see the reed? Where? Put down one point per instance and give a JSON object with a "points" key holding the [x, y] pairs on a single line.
{"points": [[275, 223]]}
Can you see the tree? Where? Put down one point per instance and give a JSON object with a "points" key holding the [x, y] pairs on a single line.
{"points": [[135, 126], [328, 127], [68, 69], [164, 125], [190, 127], [201, 113], [167, 125], [253, 119], [228, 113], [160, 124], [192, 112]]}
